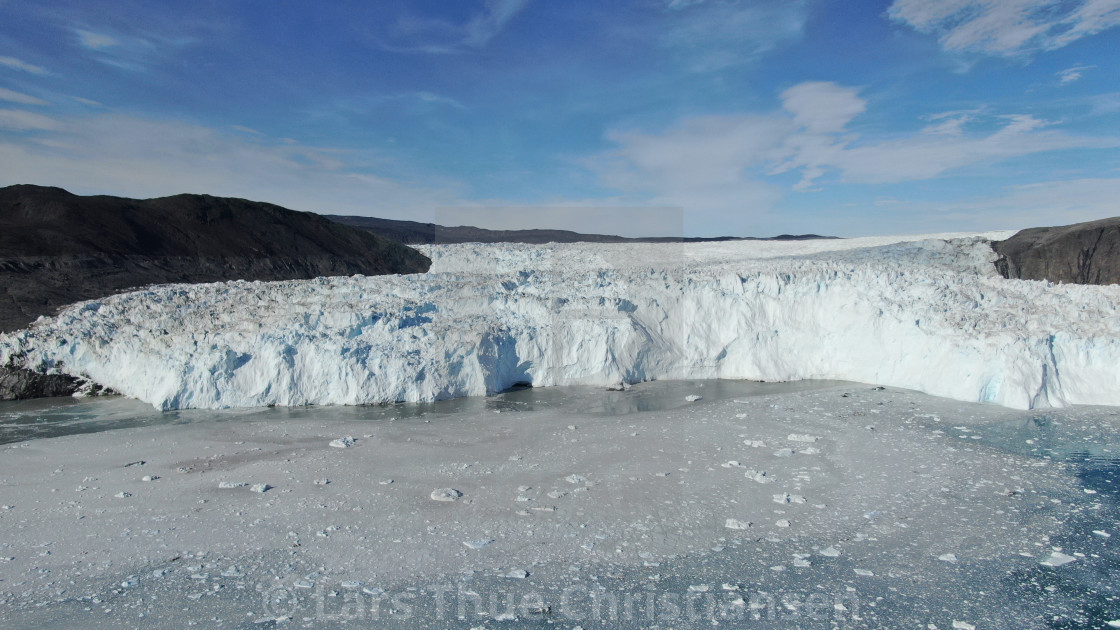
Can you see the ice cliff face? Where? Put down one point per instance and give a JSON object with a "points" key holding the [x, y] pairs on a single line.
{"points": [[930, 315]]}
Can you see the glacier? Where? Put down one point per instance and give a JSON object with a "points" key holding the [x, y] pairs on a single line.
{"points": [[925, 313]]}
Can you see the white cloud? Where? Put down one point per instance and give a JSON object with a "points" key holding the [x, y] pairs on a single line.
{"points": [[19, 120], [132, 156], [701, 165], [95, 41], [822, 106], [19, 97], [1007, 27], [16, 64], [1069, 75]]}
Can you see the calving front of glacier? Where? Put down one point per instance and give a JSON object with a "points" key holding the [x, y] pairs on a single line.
{"points": [[929, 315]]}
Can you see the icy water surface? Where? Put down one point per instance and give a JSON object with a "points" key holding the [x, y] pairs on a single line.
{"points": [[932, 514], [56, 417]]}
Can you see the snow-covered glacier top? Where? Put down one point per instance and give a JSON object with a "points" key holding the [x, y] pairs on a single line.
{"points": [[925, 313]]}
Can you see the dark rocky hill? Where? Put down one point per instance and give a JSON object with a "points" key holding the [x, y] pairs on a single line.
{"points": [[57, 248], [1083, 253], [415, 233]]}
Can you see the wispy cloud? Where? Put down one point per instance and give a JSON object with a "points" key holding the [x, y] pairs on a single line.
{"points": [[720, 34], [128, 52], [926, 156], [95, 41], [20, 120], [1007, 27], [728, 162], [134, 156], [429, 97], [704, 165], [824, 110], [1056, 202], [87, 102], [19, 97], [1069, 75], [16, 64], [411, 33]]}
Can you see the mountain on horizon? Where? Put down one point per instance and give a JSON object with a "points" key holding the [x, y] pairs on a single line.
{"points": [[417, 233]]}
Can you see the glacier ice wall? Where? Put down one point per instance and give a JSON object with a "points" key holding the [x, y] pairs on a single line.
{"points": [[929, 315]]}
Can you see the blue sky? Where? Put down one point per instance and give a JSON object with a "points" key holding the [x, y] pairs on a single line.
{"points": [[639, 116]]}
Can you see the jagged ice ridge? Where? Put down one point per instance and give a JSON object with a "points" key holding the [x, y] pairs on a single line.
{"points": [[930, 315]]}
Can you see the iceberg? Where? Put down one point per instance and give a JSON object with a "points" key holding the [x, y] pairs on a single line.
{"points": [[923, 313]]}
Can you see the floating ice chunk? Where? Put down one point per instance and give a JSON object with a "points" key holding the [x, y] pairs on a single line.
{"points": [[693, 398], [802, 437], [783, 523], [810, 450], [830, 552], [232, 572], [478, 544], [786, 497], [446, 494], [123, 495], [759, 476], [864, 572], [802, 562], [732, 464], [225, 485], [322, 482], [755, 443], [948, 557], [517, 574], [733, 523], [149, 478], [1114, 624], [1101, 533], [575, 479], [784, 452], [698, 588], [343, 442], [260, 488], [1057, 559], [962, 625]]}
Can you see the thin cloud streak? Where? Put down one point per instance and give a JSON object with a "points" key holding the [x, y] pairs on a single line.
{"points": [[16, 64], [12, 96], [1006, 27]]}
